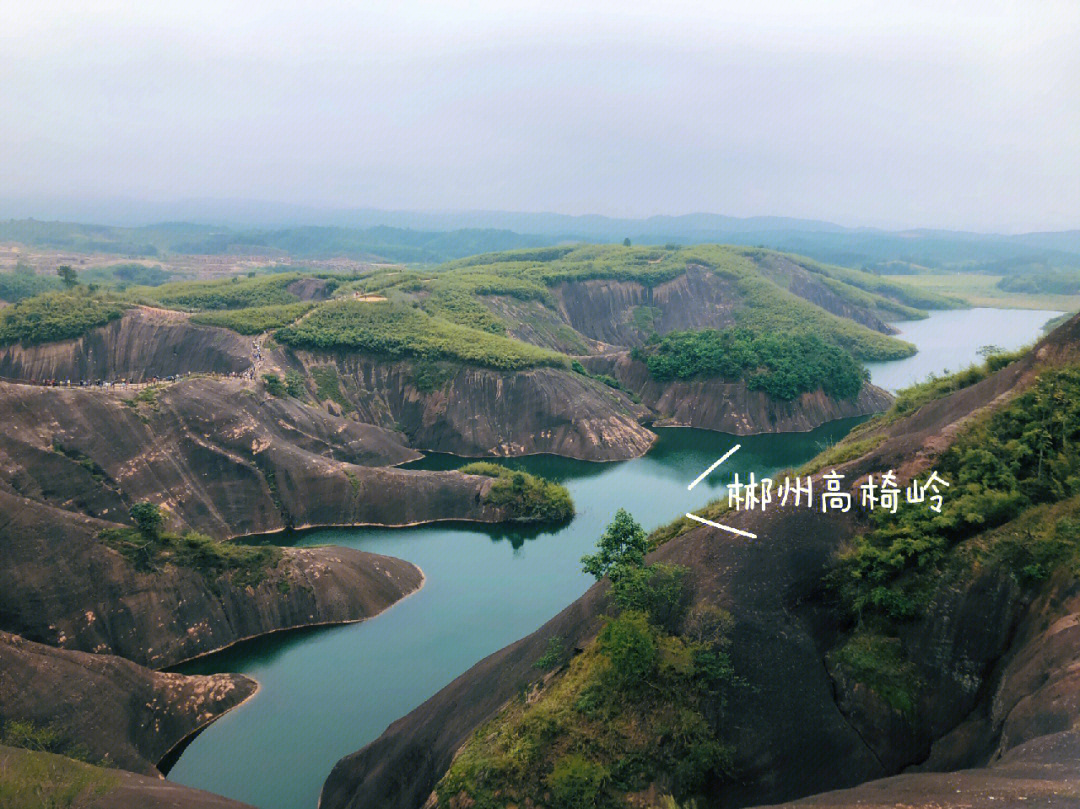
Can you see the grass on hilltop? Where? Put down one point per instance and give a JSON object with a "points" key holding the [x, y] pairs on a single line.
{"points": [[57, 316], [254, 320], [397, 330], [528, 497], [782, 365]]}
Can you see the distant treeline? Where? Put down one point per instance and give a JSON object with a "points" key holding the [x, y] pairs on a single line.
{"points": [[392, 244], [875, 250]]}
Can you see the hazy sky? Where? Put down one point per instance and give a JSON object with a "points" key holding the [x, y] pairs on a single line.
{"points": [[951, 114]]}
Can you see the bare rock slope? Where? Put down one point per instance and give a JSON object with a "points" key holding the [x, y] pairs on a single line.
{"points": [[81, 697]]}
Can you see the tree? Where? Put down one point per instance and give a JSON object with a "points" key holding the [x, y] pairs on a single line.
{"points": [[620, 548], [68, 276], [148, 518], [626, 242]]}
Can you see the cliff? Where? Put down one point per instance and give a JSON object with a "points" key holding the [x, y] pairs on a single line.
{"points": [[79, 697], [61, 585], [732, 407], [222, 457], [143, 344], [476, 411]]}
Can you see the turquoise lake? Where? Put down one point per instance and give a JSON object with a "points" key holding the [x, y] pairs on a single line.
{"points": [[327, 692]]}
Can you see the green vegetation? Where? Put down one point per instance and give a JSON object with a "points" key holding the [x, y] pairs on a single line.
{"points": [[149, 549], [274, 385], [56, 316], [640, 706], [1060, 320], [256, 319], [227, 293], [782, 365], [127, 274], [328, 386], [146, 396], [841, 452], [28, 735], [879, 663], [1043, 281], [912, 398], [553, 656], [1023, 454], [401, 331], [430, 375], [1013, 505], [644, 318], [768, 309], [36, 780], [14, 286], [461, 306], [977, 289], [908, 400], [910, 298], [528, 497], [294, 384]]}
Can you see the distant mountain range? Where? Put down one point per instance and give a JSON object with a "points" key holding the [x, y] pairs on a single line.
{"points": [[217, 226]]}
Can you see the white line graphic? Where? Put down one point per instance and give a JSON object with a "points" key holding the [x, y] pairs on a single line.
{"points": [[746, 534], [708, 471]]}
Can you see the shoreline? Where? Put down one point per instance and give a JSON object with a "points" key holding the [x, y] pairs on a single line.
{"points": [[172, 666]]}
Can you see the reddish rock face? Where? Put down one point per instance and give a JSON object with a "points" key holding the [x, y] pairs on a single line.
{"points": [[84, 695], [145, 343], [479, 412]]}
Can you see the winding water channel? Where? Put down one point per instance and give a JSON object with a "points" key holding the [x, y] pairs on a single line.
{"points": [[327, 692]]}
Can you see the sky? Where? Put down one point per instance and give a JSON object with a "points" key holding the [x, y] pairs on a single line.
{"points": [[897, 114]]}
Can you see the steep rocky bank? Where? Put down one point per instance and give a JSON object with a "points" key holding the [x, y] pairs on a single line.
{"points": [[732, 407], [997, 663], [143, 344], [60, 585], [80, 697], [222, 457], [476, 411], [605, 310]]}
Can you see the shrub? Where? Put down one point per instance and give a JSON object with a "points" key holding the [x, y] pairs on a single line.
{"points": [[254, 320], [226, 293], [553, 655], [56, 316], [401, 331], [628, 642], [621, 547], [576, 782], [528, 498], [782, 365], [15, 286], [879, 663], [148, 519], [1022, 454], [242, 565], [274, 385], [328, 386]]}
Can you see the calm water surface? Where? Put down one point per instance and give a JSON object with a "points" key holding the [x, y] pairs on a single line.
{"points": [[950, 341], [327, 692]]}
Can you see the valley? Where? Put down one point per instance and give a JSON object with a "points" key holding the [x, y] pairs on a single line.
{"points": [[302, 443]]}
